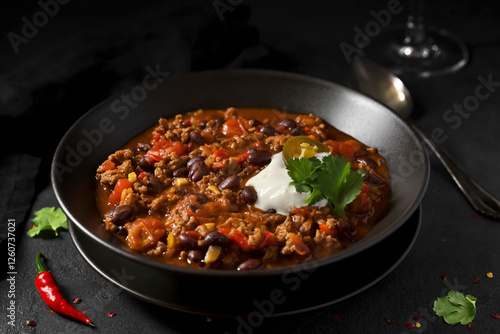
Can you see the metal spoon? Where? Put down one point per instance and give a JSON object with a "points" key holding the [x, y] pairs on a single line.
{"points": [[379, 83]]}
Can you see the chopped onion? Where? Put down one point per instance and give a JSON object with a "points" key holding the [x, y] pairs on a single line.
{"points": [[212, 254]]}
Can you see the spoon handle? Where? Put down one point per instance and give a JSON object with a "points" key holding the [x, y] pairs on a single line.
{"points": [[481, 200]]}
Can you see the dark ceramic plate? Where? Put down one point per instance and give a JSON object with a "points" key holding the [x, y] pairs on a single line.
{"points": [[109, 125], [300, 290]]}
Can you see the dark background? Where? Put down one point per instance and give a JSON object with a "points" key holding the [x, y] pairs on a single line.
{"points": [[92, 50]]}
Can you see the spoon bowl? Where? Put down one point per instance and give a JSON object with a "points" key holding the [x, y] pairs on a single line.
{"points": [[375, 81]]}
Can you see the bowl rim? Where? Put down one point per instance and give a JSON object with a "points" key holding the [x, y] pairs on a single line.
{"points": [[174, 269]]}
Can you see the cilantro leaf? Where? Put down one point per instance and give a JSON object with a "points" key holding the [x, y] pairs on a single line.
{"points": [[456, 308], [330, 179], [301, 170], [48, 219]]}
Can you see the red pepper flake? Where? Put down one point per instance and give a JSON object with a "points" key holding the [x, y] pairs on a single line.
{"points": [[141, 175], [469, 325], [388, 320], [30, 323], [336, 318], [111, 314], [84, 312], [415, 316], [476, 280], [444, 278], [476, 216], [409, 325], [495, 315], [443, 240], [52, 311], [77, 300]]}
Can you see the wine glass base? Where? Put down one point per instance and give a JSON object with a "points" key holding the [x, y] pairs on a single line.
{"points": [[441, 53]]}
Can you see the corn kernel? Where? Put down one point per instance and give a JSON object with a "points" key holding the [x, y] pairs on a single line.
{"points": [[210, 226], [214, 189], [132, 177], [170, 240], [181, 181], [489, 275], [418, 325]]}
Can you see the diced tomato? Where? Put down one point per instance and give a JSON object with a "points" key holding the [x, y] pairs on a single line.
{"points": [[164, 148], [144, 233], [194, 234], [121, 185], [235, 127], [268, 240], [242, 241], [242, 157], [298, 245], [341, 148], [325, 229], [364, 188], [207, 137], [141, 175], [107, 165], [220, 164], [156, 137], [187, 122], [221, 154]]}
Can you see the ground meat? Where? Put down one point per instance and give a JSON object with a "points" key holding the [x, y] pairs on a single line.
{"points": [[110, 177]]}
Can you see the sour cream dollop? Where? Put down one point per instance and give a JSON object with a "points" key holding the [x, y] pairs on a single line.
{"points": [[273, 188]]}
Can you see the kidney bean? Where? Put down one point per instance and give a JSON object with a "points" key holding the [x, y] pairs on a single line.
{"points": [[231, 182], [203, 124], [155, 185], [287, 123], [347, 230], [368, 161], [195, 256], [121, 214], [196, 138], [298, 131], [145, 164], [250, 264], [249, 195], [181, 172], [197, 171], [374, 179], [186, 241], [254, 122], [219, 121], [271, 211], [202, 199], [195, 159], [216, 239], [269, 130], [259, 157]]}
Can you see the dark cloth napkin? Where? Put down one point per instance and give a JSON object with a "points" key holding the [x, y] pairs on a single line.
{"points": [[17, 173]]}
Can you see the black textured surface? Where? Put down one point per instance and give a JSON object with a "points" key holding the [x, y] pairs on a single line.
{"points": [[90, 51]]}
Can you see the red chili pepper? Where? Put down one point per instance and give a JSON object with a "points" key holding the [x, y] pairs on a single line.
{"points": [[49, 291]]}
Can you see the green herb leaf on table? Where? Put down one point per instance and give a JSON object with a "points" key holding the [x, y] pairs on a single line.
{"points": [[48, 219], [456, 308], [331, 179]]}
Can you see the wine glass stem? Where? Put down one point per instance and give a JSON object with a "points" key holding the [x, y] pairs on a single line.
{"points": [[415, 29]]}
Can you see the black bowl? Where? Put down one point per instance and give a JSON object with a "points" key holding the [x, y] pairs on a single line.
{"points": [[109, 125]]}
